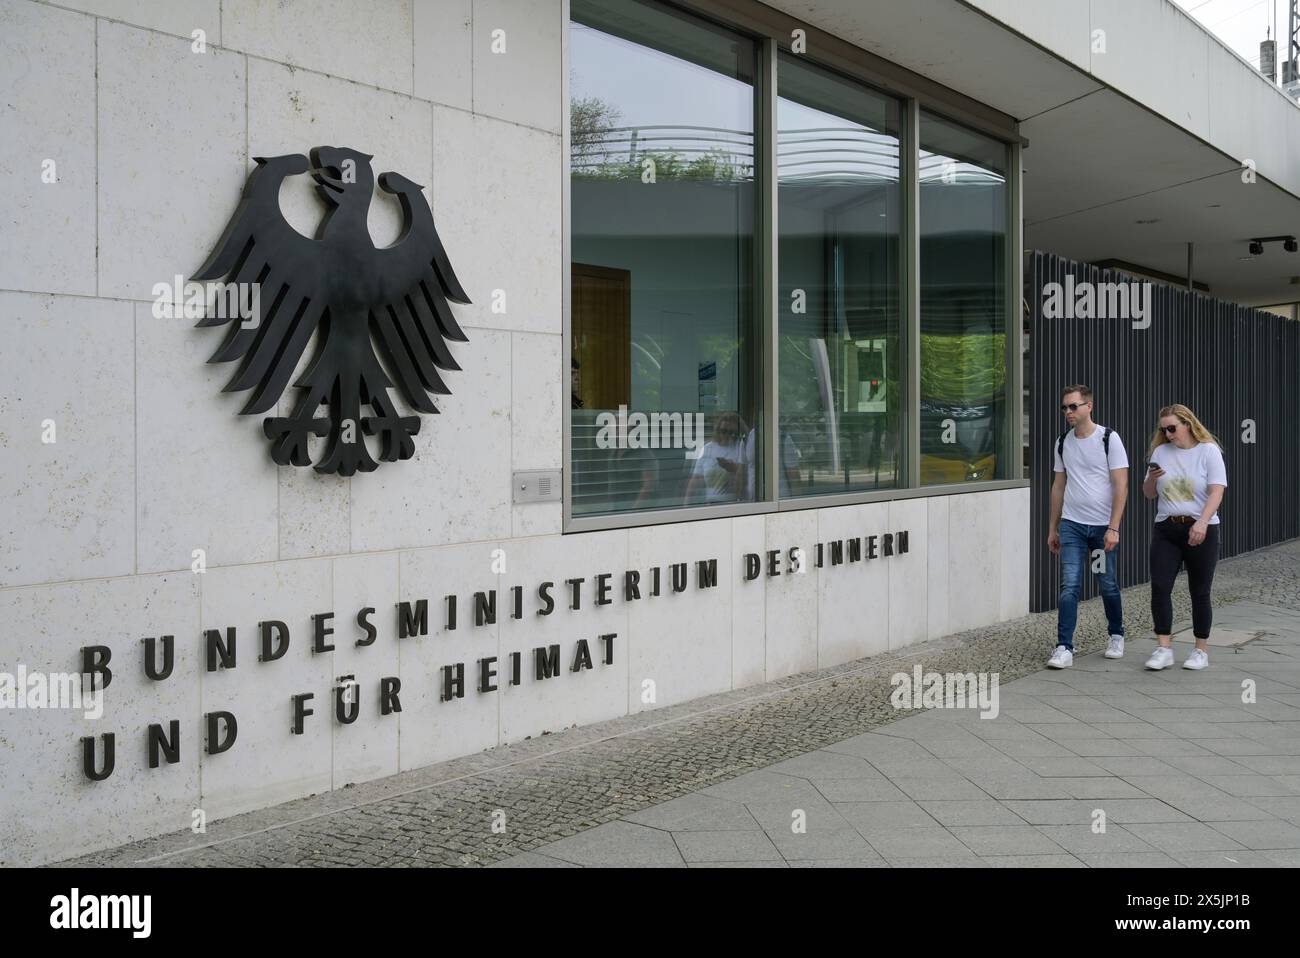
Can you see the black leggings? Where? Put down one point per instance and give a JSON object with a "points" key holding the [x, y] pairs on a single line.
{"points": [[1169, 550]]}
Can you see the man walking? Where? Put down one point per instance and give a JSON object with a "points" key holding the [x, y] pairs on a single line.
{"points": [[1088, 498]]}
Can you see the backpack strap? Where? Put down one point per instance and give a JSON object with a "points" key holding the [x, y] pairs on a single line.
{"points": [[1060, 447], [1105, 443]]}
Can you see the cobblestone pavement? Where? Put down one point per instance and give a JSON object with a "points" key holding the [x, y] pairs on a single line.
{"points": [[1165, 760]]}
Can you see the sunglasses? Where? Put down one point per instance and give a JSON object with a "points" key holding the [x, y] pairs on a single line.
{"points": [[1170, 429], [1074, 406]]}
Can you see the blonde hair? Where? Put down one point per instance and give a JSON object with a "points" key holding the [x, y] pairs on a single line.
{"points": [[1188, 419]]}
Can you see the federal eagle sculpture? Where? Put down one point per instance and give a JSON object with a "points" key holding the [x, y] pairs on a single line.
{"points": [[363, 303]]}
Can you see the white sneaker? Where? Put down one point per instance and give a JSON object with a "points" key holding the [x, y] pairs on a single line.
{"points": [[1161, 658], [1062, 658], [1197, 660], [1115, 650]]}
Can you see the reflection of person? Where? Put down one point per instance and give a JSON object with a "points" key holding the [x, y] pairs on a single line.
{"points": [[721, 470], [575, 379], [1188, 478], [789, 464], [1088, 499]]}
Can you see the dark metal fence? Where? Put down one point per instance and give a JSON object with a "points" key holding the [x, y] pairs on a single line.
{"points": [[1230, 364]]}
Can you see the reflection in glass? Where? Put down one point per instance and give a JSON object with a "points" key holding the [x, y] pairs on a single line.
{"points": [[963, 304], [839, 215], [665, 394]]}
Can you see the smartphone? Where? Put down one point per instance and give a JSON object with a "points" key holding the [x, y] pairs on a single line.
{"points": [[1151, 465]]}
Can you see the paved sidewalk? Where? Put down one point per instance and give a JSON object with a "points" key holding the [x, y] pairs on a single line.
{"points": [[1184, 771], [1180, 769]]}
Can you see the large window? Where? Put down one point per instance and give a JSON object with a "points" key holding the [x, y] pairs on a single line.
{"points": [[666, 405], [840, 280], [786, 284], [964, 427]]}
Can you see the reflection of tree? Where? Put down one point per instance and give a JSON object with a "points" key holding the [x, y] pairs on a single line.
{"points": [[963, 370], [590, 121], [593, 132]]}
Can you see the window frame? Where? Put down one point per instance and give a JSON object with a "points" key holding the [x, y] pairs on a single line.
{"points": [[772, 31]]}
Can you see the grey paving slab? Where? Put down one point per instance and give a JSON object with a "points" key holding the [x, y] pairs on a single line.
{"points": [[872, 745], [695, 813], [1203, 765], [827, 764], [878, 815], [1077, 730], [1230, 809], [1285, 807], [1271, 764], [858, 790], [814, 814], [1071, 767], [936, 769], [1242, 858], [764, 786], [764, 863], [1252, 786], [1131, 730], [1127, 766], [1081, 840], [1026, 786], [1033, 748], [946, 748], [1079, 812], [617, 843], [1241, 745], [844, 844], [1031, 861], [1284, 857], [1122, 860], [877, 862], [985, 811], [532, 860], [1101, 747], [726, 846], [1168, 746], [919, 789], [1186, 836], [1006, 840], [900, 844], [1260, 835], [1098, 787]]}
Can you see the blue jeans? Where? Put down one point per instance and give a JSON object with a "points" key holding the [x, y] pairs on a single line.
{"points": [[1078, 542]]}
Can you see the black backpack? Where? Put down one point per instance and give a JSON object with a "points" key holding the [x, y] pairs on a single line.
{"points": [[1105, 445]]}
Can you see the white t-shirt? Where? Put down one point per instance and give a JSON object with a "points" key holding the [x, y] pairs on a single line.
{"points": [[1189, 473], [1088, 491], [719, 486]]}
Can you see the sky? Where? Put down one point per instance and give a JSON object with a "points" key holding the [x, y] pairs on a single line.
{"points": [[1242, 24]]}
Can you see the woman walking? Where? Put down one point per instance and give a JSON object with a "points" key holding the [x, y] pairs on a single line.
{"points": [[1186, 474]]}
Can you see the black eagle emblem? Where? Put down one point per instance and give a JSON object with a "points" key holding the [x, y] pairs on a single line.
{"points": [[364, 302]]}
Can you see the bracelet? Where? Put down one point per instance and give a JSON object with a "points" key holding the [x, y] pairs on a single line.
{"points": [[1109, 529]]}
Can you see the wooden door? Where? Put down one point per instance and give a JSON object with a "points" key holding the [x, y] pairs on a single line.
{"points": [[602, 335]]}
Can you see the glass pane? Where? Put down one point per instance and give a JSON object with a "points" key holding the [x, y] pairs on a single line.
{"points": [[840, 280], [963, 304], [666, 397]]}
